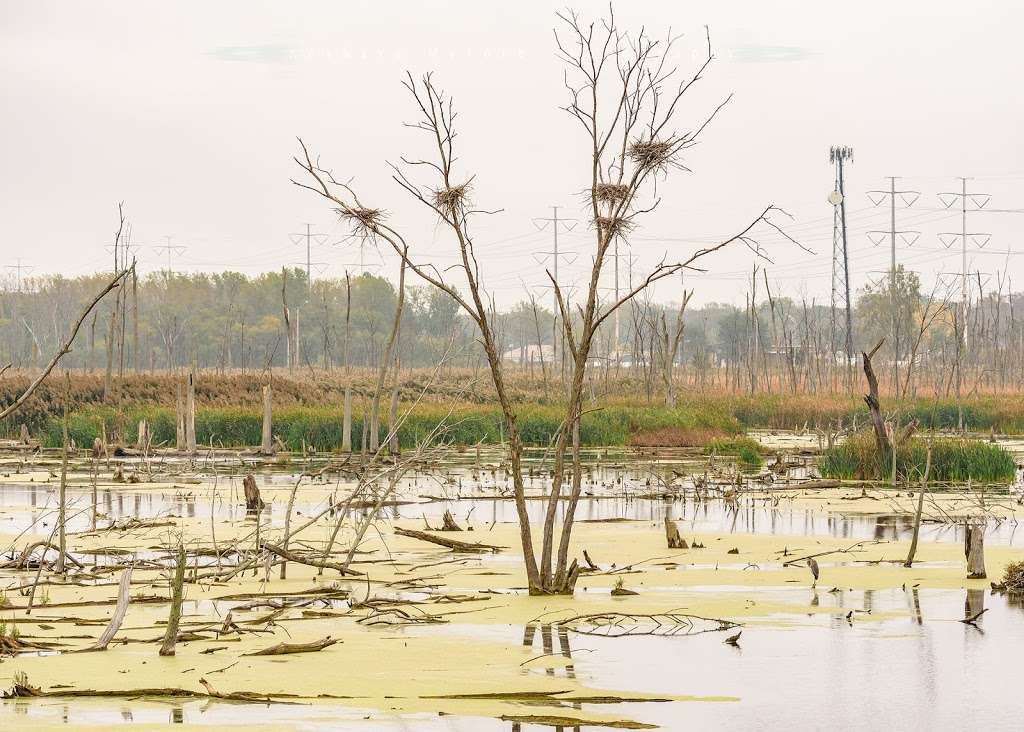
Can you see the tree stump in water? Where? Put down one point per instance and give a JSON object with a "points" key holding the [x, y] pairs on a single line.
{"points": [[675, 541], [448, 522], [253, 502], [974, 549]]}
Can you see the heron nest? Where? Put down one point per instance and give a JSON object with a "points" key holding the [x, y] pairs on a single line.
{"points": [[611, 193], [362, 219], [451, 199], [651, 154], [613, 226]]}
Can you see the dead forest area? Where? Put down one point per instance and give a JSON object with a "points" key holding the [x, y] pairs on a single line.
{"points": [[385, 502]]}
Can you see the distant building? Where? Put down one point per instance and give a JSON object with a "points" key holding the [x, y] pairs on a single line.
{"points": [[529, 353]]}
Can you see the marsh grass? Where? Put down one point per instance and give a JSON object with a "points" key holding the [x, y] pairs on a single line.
{"points": [[320, 427], [747, 451], [953, 460]]}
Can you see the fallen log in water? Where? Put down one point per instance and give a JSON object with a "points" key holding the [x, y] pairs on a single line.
{"points": [[453, 544], [283, 649]]}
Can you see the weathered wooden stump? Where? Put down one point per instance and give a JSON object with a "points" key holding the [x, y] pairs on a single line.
{"points": [[253, 501], [675, 541], [974, 549]]}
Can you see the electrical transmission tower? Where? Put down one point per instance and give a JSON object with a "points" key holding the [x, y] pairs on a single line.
{"points": [[842, 331], [567, 225], [977, 202], [170, 249], [309, 236], [908, 238], [18, 268]]}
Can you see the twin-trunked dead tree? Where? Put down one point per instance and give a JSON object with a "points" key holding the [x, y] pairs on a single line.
{"points": [[627, 97]]}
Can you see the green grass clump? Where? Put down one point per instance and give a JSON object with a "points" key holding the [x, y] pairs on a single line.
{"points": [[747, 451], [954, 460]]}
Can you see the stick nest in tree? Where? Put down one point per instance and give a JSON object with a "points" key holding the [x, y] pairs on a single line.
{"points": [[610, 192], [651, 154], [362, 219], [452, 199], [612, 226]]}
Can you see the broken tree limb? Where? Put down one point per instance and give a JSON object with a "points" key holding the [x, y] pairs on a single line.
{"points": [[283, 649], [291, 556], [123, 596], [454, 545], [66, 346]]}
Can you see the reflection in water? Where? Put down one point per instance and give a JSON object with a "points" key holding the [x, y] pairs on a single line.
{"points": [[546, 629]]}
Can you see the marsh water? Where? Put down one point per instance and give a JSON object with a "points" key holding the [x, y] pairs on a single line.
{"points": [[919, 667]]}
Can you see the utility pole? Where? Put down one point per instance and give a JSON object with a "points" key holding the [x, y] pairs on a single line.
{"points": [[296, 239], [840, 258], [569, 225], [909, 237], [980, 239]]}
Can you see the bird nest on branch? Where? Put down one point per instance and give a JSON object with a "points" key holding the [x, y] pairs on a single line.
{"points": [[451, 199], [613, 226], [611, 193], [363, 220], [652, 154]]}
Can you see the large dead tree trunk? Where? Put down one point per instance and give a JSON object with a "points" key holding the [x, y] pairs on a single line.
{"points": [[974, 549], [874, 407]]}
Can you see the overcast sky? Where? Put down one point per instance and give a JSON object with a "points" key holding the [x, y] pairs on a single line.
{"points": [[188, 112]]}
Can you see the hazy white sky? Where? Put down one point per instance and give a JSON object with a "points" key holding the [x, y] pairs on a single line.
{"points": [[188, 112]]}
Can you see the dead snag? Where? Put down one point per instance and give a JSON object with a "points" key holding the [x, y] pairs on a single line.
{"points": [[871, 399], [190, 414], [266, 435], [123, 596], [675, 541], [177, 584], [458, 546], [283, 649], [448, 522], [920, 509], [974, 549], [253, 501]]}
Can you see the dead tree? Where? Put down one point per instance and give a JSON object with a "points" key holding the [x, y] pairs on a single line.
{"points": [[669, 345], [266, 433], [625, 96], [174, 617], [190, 414], [874, 407], [65, 347], [920, 509], [346, 423]]}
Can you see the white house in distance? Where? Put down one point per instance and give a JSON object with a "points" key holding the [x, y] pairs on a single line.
{"points": [[529, 353]]}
